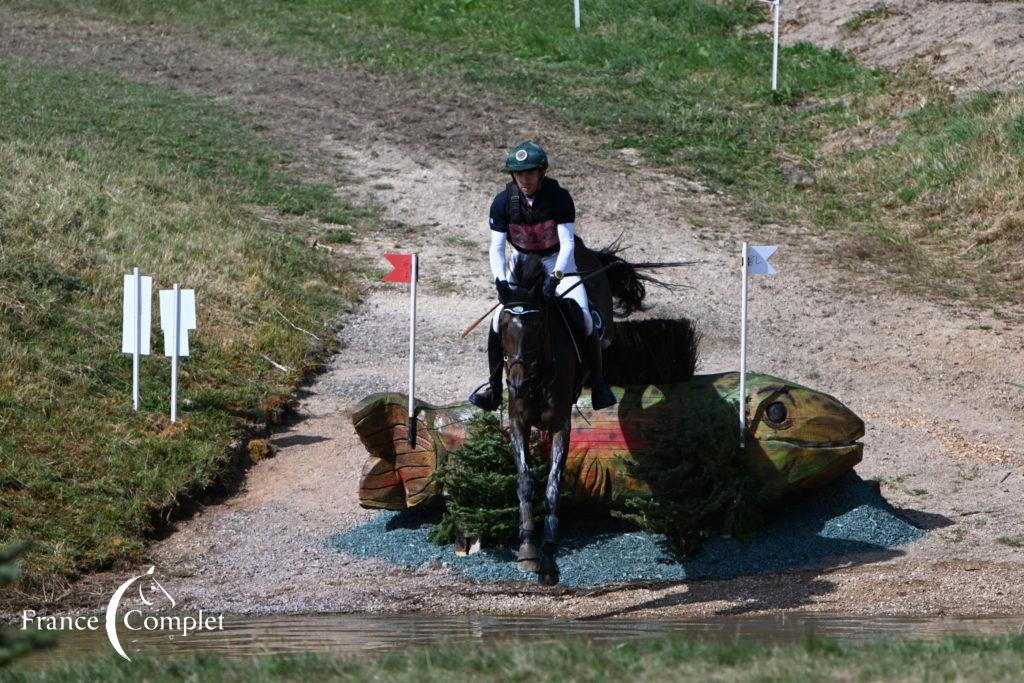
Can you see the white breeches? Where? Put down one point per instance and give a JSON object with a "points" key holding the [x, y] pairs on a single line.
{"points": [[578, 294]]}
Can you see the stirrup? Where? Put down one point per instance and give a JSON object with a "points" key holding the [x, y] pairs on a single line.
{"points": [[485, 397]]}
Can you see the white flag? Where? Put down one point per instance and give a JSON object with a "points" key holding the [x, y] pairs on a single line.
{"points": [[187, 322], [757, 260], [129, 320]]}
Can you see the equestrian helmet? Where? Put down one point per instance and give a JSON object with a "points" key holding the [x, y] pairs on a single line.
{"points": [[526, 156]]}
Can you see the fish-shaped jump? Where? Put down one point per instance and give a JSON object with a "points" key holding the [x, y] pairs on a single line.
{"points": [[797, 438]]}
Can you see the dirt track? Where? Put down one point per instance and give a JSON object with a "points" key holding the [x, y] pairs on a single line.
{"points": [[931, 381]]}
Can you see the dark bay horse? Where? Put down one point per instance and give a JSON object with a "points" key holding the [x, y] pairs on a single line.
{"points": [[545, 374]]}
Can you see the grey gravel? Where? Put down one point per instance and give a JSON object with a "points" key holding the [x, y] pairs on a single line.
{"points": [[846, 518]]}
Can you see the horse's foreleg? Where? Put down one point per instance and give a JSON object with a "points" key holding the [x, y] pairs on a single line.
{"points": [[559, 449], [528, 557]]}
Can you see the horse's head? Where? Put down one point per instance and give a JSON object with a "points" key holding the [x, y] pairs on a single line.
{"points": [[522, 338], [522, 324]]}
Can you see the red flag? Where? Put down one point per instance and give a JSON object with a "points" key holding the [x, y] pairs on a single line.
{"points": [[402, 268]]}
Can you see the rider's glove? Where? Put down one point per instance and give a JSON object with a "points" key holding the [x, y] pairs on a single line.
{"points": [[550, 286], [504, 291]]}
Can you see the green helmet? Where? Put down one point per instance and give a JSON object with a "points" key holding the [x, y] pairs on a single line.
{"points": [[526, 155]]}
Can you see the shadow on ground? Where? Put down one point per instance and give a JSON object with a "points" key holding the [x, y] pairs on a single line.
{"points": [[845, 522]]}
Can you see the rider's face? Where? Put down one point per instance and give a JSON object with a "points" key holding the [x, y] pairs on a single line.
{"points": [[529, 181]]}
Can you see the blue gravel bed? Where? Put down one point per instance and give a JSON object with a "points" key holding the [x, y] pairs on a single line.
{"points": [[847, 517]]}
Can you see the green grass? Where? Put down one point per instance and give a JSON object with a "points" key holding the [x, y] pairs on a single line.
{"points": [[685, 81], [865, 17], [97, 176], [904, 175], [962, 659], [1012, 541]]}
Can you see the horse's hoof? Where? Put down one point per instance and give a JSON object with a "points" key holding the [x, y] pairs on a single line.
{"points": [[548, 577], [548, 574], [528, 558], [531, 566]]}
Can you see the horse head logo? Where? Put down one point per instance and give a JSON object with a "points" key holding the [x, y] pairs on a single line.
{"points": [[155, 590]]}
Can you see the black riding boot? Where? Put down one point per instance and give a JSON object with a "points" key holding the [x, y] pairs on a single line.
{"points": [[489, 397], [601, 395]]}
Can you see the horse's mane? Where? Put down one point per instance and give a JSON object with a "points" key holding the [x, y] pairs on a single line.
{"points": [[528, 271]]}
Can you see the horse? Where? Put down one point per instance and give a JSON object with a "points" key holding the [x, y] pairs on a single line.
{"points": [[545, 374]]}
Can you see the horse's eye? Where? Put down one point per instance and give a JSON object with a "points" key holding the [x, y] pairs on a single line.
{"points": [[505, 357], [775, 412]]}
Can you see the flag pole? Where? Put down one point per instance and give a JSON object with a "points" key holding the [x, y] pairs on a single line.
{"points": [[576, 12], [412, 349], [138, 339], [743, 348], [175, 350]]}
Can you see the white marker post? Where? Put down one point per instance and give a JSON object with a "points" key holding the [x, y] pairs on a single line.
{"points": [[753, 260], [177, 317], [743, 348], [412, 349], [776, 6], [406, 268], [177, 350], [576, 13], [135, 325]]}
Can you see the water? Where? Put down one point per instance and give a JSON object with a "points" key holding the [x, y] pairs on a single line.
{"points": [[345, 634]]}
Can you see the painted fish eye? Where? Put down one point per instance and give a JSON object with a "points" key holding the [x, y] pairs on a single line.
{"points": [[775, 412]]}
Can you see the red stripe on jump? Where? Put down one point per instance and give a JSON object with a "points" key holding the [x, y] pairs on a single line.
{"points": [[617, 437]]}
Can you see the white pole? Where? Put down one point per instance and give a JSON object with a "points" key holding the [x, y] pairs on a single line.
{"points": [[174, 355], [576, 12], [138, 339], [775, 50], [743, 349], [412, 350]]}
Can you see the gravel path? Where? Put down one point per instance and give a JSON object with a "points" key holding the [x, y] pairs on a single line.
{"points": [[931, 380]]}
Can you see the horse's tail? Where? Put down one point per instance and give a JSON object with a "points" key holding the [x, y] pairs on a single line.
{"points": [[627, 280]]}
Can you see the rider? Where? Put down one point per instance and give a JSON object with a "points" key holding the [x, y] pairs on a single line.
{"points": [[537, 216]]}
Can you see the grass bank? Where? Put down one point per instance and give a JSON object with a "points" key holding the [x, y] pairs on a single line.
{"points": [[886, 162], [961, 659], [97, 176]]}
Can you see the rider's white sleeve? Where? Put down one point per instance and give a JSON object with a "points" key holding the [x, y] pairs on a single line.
{"points": [[498, 240], [566, 245]]}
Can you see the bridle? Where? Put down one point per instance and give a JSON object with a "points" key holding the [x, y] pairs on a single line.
{"points": [[528, 358]]}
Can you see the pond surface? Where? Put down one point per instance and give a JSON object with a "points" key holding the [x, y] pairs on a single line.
{"points": [[350, 634]]}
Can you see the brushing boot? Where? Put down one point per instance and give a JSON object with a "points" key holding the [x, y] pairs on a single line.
{"points": [[601, 395], [488, 397]]}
